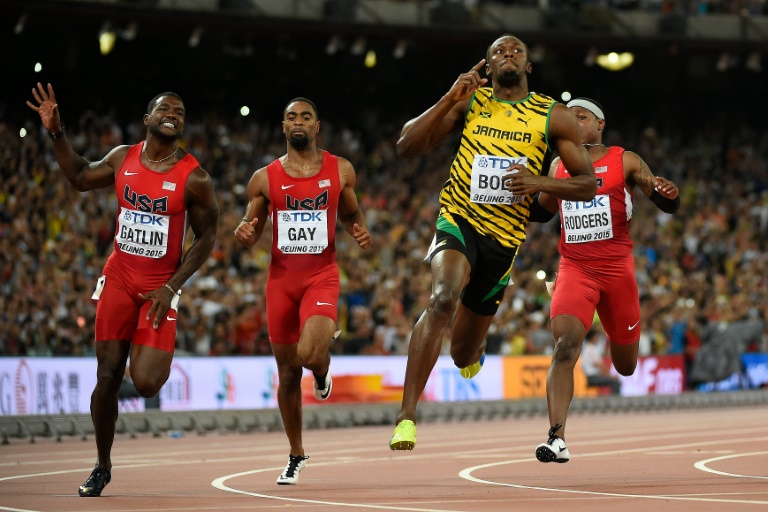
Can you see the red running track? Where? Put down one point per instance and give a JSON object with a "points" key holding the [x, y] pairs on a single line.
{"points": [[691, 460]]}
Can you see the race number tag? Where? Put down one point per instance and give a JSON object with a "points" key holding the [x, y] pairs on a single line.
{"points": [[488, 176], [587, 221], [142, 234], [302, 231], [99, 288]]}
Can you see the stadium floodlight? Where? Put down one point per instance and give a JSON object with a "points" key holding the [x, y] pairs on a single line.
{"points": [[754, 62], [107, 37], [194, 37], [615, 61], [400, 48], [334, 43], [358, 47], [19, 27]]}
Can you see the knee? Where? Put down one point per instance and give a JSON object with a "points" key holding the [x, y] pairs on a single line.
{"points": [[567, 350], [289, 378], [148, 387], [625, 368], [310, 355], [464, 356], [443, 302], [109, 379]]}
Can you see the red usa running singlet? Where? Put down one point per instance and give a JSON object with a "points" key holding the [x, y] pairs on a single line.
{"points": [[598, 229], [304, 216], [152, 217]]}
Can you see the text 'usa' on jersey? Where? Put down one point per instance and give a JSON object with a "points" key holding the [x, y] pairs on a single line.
{"points": [[304, 212], [152, 218]]}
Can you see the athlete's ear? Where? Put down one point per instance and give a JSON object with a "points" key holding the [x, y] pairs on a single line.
{"points": [[146, 119]]}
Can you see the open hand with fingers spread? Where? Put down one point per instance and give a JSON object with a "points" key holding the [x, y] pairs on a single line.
{"points": [[46, 107]]}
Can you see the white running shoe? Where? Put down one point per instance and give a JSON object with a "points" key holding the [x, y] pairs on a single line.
{"points": [[554, 450], [290, 475], [324, 392]]}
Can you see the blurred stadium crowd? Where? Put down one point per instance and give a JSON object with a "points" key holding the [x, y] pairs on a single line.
{"points": [[701, 273]]}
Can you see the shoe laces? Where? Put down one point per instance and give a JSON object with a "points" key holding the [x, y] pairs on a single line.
{"points": [[552, 433], [293, 465], [99, 478]]}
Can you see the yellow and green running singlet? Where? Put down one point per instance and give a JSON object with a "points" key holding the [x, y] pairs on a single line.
{"points": [[497, 134]]}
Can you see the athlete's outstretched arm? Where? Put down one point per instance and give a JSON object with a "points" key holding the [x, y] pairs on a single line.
{"points": [[350, 214], [432, 127], [250, 228], [82, 174], [661, 191]]}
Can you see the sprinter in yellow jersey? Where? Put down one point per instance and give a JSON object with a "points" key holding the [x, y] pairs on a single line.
{"points": [[485, 205]]}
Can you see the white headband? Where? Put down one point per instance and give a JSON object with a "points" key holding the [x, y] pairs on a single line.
{"points": [[583, 103]]}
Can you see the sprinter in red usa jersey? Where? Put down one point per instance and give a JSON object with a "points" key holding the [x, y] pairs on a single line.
{"points": [[302, 193], [597, 271], [161, 192]]}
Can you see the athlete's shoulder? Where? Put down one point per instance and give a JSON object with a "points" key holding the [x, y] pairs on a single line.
{"points": [[540, 99]]}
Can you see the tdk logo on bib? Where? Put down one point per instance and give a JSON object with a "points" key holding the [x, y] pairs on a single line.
{"points": [[597, 202], [316, 216], [143, 218], [494, 162]]}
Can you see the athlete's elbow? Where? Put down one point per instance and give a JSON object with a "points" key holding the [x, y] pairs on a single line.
{"points": [[588, 190], [408, 148], [404, 150]]}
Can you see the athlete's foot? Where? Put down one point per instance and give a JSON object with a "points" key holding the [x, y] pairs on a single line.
{"points": [[470, 371], [404, 437]]}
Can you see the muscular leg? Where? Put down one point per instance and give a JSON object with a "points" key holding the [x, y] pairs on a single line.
{"points": [[111, 357], [150, 368], [569, 334], [315, 343], [450, 273], [468, 336], [624, 357], [289, 370]]}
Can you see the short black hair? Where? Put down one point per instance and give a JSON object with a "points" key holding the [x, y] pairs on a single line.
{"points": [[490, 46], [152, 102], [305, 100]]}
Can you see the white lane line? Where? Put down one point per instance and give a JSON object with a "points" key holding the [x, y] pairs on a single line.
{"points": [[702, 465], [219, 484], [467, 475]]}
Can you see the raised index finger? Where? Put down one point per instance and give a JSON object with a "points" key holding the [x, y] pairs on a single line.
{"points": [[477, 67]]}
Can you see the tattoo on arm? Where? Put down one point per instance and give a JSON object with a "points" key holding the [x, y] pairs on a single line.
{"points": [[644, 176]]}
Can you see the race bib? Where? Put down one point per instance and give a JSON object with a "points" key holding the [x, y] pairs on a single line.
{"points": [[142, 234], [99, 288], [587, 221], [302, 231], [489, 174]]}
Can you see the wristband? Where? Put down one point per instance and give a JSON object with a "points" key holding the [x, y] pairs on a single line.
{"points": [[56, 135], [664, 203], [538, 213], [169, 287]]}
